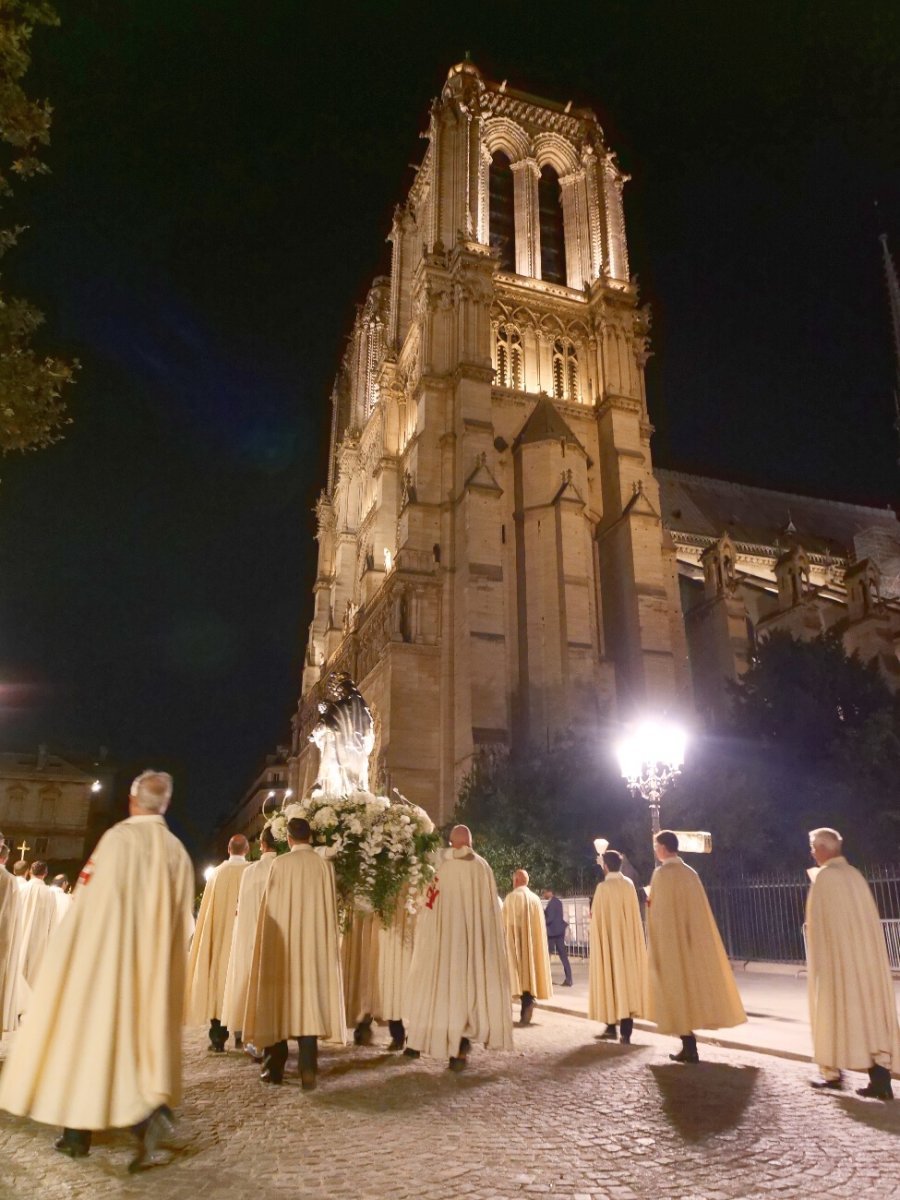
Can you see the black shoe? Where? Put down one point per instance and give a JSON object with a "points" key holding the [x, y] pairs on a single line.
{"points": [[879, 1087], [873, 1092], [362, 1034], [410, 1053], [74, 1142], [271, 1075], [274, 1058], [626, 1028], [526, 1014], [831, 1085], [609, 1034], [150, 1134], [457, 1065], [398, 1035], [688, 1052], [566, 983]]}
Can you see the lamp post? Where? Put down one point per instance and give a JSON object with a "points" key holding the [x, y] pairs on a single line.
{"points": [[650, 756]]}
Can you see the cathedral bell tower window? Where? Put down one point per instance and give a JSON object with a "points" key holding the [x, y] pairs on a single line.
{"points": [[553, 237], [502, 216], [510, 373], [565, 371]]}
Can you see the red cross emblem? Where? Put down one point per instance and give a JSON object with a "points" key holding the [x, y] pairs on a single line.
{"points": [[432, 894], [86, 872]]}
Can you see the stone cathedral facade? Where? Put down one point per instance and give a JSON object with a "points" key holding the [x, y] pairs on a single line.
{"points": [[492, 562], [498, 559]]}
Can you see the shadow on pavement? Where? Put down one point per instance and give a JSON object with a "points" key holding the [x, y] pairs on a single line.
{"points": [[595, 1055], [704, 1099], [874, 1113], [397, 1092]]}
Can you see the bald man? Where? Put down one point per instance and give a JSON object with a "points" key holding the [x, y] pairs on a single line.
{"points": [[526, 946], [211, 947], [458, 985]]}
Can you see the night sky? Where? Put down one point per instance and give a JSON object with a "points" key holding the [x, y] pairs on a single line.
{"points": [[223, 178]]}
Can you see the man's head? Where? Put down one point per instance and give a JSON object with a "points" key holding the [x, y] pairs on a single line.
{"points": [[150, 794], [612, 862], [38, 870], [547, 894], [20, 868], [825, 844], [298, 831], [4, 853], [666, 845], [520, 878], [460, 836], [60, 881], [267, 841], [239, 845]]}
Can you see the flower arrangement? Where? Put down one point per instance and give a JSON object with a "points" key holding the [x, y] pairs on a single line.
{"points": [[377, 847]]}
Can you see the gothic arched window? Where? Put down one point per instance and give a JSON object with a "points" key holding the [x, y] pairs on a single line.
{"points": [[565, 370], [510, 372], [553, 239], [502, 214]]}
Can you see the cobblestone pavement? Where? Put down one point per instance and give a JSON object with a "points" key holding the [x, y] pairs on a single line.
{"points": [[563, 1116]]}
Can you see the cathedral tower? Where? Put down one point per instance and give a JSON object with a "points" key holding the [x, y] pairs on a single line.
{"points": [[492, 562]]}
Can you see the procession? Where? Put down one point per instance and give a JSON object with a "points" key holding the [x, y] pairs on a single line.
{"points": [[96, 989]]}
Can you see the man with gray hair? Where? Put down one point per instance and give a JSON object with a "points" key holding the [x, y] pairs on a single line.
{"points": [[852, 1008], [105, 1013]]}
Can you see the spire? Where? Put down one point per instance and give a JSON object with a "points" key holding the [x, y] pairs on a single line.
{"points": [[893, 287]]}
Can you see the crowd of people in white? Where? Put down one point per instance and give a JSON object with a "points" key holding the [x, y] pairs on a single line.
{"points": [[96, 986]]}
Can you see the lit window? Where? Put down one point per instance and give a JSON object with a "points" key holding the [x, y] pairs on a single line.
{"points": [[510, 372], [550, 217], [565, 370]]}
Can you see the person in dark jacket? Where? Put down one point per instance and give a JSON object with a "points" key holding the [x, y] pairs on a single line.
{"points": [[556, 932]]}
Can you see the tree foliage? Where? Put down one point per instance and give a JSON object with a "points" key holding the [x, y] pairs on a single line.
{"points": [[541, 807], [812, 738], [32, 404]]}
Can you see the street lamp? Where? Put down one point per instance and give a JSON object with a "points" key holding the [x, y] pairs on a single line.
{"points": [[208, 873], [650, 756]]}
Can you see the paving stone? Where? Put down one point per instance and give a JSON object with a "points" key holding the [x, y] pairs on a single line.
{"points": [[627, 1125]]}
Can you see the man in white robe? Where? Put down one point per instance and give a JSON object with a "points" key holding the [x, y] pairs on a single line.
{"points": [[617, 985], [852, 1008], [59, 888], [9, 943], [527, 951], [101, 1046], [237, 977], [459, 976], [211, 947], [691, 982], [295, 988], [38, 917]]}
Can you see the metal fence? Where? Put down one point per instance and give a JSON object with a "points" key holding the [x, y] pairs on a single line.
{"points": [[761, 917]]}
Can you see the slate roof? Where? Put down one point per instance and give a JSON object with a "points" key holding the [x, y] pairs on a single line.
{"points": [[545, 424], [694, 504]]}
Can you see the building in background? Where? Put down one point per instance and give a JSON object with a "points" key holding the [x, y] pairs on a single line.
{"points": [[493, 566], [266, 794], [498, 559], [55, 807]]}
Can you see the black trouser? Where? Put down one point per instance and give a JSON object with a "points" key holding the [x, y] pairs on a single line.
{"points": [[558, 946], [397, 1031], [218, 1034]]}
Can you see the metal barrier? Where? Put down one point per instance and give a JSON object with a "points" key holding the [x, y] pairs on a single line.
{"points": [[761, 917]]}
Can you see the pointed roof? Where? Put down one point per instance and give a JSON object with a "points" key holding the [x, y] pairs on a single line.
{"points": [[545, 425]]}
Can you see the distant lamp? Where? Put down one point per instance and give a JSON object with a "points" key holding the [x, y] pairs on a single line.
{"points": [[650, 757], [96, 786], [208, 873], [288, 793]]}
